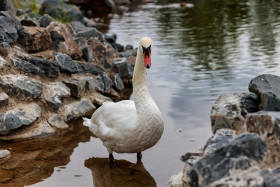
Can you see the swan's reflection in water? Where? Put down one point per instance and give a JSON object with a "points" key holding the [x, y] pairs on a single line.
{"points": [[122, 174]]}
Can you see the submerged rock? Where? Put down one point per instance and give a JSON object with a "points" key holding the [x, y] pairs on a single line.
{"points": [[21, 116], [267, 87], [55, 91], [240, 154], [20, 85], [229, 110], [34, 38], [78, 109]]}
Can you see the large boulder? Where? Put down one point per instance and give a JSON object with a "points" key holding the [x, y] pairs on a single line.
{"points": [[78, 109], [34, 38], [267, 87], [55, 91], [264, 123], [240, 154], [63, 41], [229, 110], [8, 31], [21, 116], [20, 85]]}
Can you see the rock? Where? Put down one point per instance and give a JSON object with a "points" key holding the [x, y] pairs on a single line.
{"points": [[267, 87], [61, 11], [21, 116], [50, 69], [66, 64], [4, 99], [63, 41], [221, 138], [240, 154], [34, 130], [55, 91], [45, 20], [99, 99], [100, 5], [5, 45], [77, 86], [87, 55], [90, 33], [122, 2], [26, 66], [20, 85], [110, 39], [271, 177], [29, 23], [34, 38], [89, 68], [176, 180], [90, 85], [123, 67], [78, 109], [103, 83], [8, 31], [127, 53], [3, 62], [118, 47], [229, 110], [56, 121], [89, 22], [4, 154], [264, 123], [118, 83], [79, 26]]}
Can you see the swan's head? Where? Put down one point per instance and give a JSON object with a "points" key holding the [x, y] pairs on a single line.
{"points": [[145, 47]]}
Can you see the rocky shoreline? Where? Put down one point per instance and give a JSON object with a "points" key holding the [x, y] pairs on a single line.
{"points": [[53, 73], [245, 147]]}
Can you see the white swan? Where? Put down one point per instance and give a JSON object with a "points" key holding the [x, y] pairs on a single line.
{"points": [[130, 126]]}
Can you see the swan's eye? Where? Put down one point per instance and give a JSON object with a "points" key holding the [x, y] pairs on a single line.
{"points": [[147, 50]]}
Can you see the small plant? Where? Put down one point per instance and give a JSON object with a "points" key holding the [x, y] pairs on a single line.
{"points": [[31, 4], [61, 13]]}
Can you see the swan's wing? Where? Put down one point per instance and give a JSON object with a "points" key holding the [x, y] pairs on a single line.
{"points": [[114, 119]]}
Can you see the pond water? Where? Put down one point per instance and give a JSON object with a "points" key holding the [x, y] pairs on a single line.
{"points": [[200, 52]]}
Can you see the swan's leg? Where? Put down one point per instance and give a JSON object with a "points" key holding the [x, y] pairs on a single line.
{"points": [[111, 159], [139, 156]]}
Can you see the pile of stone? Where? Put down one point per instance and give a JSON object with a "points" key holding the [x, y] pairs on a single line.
{"points": [[53, 73], [245, 147]]}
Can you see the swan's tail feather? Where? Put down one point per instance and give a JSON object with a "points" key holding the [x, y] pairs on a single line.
{"points": [[87, 122]]}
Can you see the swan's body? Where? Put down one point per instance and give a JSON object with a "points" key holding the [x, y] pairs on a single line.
{"points": [[130, 126]]}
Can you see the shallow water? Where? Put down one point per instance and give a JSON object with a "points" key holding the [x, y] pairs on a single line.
{"points": [[200, 52]]}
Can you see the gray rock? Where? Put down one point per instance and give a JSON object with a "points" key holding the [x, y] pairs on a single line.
{"points": [[5, 45], [48, 68], [123, 67], [267, 87], [92, 32], [266, 124], [118, 47], [66, 64], [98, 99], [85, 68], [77, 86], [90, 83], [229, 110], [271, 177], [118, 83], [56, 121], [89, 22], [79, 26], [4, 154], [221, 138], [20, 85], [78, 109], [127, 53], [103, 83], [84, 47], [3, 62], [4, 99], [26, 66], [55, 91], [110, 39], [21, 116], [240, 154], [8, 31], [122, 2], [45, 20]]}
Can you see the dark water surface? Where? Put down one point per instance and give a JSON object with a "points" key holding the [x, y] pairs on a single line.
{"points": [[200, 52]]}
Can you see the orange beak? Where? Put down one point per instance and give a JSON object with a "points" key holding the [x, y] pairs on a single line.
{"points": [[147, 60]]}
